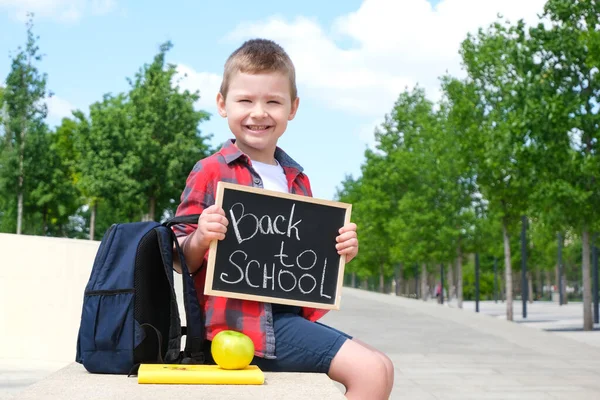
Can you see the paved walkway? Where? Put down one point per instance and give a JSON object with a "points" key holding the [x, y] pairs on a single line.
{"points": [[442, 352], [565, 320], [446, 353]]}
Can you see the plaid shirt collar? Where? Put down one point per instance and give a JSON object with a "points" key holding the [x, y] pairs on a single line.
{"points": [[231, 153]]}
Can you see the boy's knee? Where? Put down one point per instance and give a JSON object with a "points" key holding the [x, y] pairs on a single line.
{"points": [[388, 363], [377, 374]]}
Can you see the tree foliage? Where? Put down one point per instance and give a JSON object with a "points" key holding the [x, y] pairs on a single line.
{"points": [[125, 159], [517, 136]]}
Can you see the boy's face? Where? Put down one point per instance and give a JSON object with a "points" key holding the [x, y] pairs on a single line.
{"points": [[258, 108]]}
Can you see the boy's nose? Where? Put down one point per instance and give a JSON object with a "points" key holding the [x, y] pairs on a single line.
{"points": [[258, 112]]}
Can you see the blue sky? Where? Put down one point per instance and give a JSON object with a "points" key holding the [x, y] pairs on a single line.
{"points": [[353, 57]]}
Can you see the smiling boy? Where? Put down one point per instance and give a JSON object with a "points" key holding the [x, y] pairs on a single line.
{"points": [[258, 96]]}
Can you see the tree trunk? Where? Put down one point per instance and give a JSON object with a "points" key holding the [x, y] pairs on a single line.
{"points": [[529, 288], [588, 322], [20, 188], [387, 287], [152, 209], [20, 207], [93, 220], [381, 279], [45, 221], [459, 278], [353, 280], [399, 272], [450, 278], [548, 283], [564, 288], [557, 281], [431, 284], [539, 283], [424, 290], [508, 273]]}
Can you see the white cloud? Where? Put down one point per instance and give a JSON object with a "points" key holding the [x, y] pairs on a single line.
{"points": [[61, 10], [366, 132], [58, 108], [207, 83], [396, 44]]}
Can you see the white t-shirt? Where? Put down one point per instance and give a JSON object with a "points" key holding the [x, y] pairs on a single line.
{"points": [[272, 176]]}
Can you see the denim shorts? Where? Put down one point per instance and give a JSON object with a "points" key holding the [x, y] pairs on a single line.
{"points": [[300, 345]]}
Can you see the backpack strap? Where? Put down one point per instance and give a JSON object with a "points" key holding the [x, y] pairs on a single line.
{"points": [[182, 219], [193, 353], [165, 240]]}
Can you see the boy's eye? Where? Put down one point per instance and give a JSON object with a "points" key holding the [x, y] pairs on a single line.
{"points": [[244, 101]]}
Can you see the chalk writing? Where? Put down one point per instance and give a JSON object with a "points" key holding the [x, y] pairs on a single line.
{"points": [[278, 248]]}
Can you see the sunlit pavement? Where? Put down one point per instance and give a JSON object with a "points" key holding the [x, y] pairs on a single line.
{"points": [[441, 352]]}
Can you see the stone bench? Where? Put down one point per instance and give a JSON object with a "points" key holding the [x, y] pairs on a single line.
{"points": [[74, 383]]}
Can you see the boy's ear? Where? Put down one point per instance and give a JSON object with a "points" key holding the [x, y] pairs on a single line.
{"points": [[221, 105], [294, 108]]}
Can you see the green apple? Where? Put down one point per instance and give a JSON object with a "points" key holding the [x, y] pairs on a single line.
{"points": [[232, 350]]}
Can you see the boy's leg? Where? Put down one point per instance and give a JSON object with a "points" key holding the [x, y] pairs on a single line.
{"points": [[389, 365], [361, 371], [304, 346]]}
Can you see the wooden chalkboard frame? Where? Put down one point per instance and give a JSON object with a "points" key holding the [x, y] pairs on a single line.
{"points": [[214, 245]]}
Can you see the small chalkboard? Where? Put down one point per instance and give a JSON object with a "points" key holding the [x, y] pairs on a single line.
{"points": [[279, 248]]}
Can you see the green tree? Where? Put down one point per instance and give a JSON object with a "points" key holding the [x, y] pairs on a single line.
{"points": [[2, 110], [459, 117], [370, 211], [55, 194], [4, 194], [567, 148], [349, 192], [163, 125], [24, 96], [496, 60], [104, 171]]}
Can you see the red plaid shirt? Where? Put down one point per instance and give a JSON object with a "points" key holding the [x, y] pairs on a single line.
{"points": [[252, 318]]}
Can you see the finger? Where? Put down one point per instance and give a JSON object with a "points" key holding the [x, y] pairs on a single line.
{"points": [[350, 253], [216, 227], [351, 226], [346, 236], [214, 209], [347, 244], [215, 218], [210, 236], [347, 250]]}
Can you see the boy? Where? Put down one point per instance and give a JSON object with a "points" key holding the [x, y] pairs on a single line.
{"points": [[258, 97]]}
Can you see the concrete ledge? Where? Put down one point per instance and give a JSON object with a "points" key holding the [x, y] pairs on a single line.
{"points": [[75, 383]]}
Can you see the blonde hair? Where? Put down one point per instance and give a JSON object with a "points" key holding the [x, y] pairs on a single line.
{"points": [[258, 56]]}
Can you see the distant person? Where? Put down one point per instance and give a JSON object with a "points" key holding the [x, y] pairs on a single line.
{"points": [[438, 292], [258, 97]]}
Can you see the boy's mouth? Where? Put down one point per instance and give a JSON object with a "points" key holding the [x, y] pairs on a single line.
{"points": [[257, 128]]}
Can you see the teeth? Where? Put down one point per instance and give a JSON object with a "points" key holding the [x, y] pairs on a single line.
{"points": [[257, 127]]}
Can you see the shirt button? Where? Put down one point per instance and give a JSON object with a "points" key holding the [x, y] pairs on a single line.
{"points": [[257, 181]]}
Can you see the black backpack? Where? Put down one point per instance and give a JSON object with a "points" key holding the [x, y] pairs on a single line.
{"points": [[130, 314]]}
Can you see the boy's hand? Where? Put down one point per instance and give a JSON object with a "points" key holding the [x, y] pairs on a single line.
{"points": [[212, 224], [347, 241]]}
